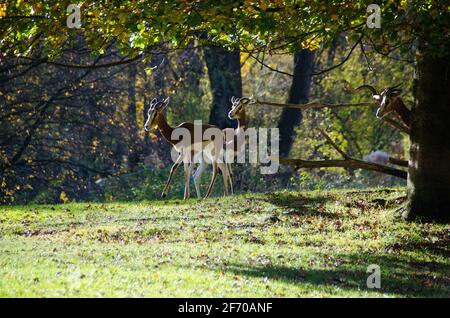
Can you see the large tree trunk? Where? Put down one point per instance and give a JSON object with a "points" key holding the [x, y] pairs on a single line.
{"points": [[224, 70], [298, 94], [429, 164], [191, 69]]}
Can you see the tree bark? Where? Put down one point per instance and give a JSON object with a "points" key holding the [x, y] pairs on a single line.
{"points": [[429, 164], [132, 71], [224, 70], [133, 153], [299, 93]]}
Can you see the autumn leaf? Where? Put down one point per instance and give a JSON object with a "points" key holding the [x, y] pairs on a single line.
{"points": [[2, 10], [63, 197]]}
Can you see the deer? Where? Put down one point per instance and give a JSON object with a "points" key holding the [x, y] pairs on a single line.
{"points": [[189, 150], [234, 140], [390, 101]]}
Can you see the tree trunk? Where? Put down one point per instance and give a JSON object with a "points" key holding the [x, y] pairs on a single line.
{"points": [[224, 70], [132, 70], [429, 164], [191, 69], [299, 93], [133, 153]]}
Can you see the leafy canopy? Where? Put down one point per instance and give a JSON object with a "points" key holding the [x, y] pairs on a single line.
{"points": [[259, 25]]}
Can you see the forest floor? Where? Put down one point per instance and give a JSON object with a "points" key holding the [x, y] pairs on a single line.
{"points": [[286, 244]]}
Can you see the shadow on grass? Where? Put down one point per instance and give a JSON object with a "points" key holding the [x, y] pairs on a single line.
{"points": [[297, 204], [397, 276], [315, 205]]}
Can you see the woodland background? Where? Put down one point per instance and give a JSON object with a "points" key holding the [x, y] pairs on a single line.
{"points": [[71, 133]]}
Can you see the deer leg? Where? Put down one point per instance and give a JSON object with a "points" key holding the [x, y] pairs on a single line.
{"points": [[230, 175], [172, 171], [213, 180], [197, 175], [187, 178], [224, 169]]}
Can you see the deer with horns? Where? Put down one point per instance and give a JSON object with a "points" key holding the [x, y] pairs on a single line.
{"points": [[390, 101], [234, 140], [205, 149]]}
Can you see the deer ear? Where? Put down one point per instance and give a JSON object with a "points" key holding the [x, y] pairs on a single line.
{"points": [[165, 102], [153, 103], [396, 91], [244, 100]]}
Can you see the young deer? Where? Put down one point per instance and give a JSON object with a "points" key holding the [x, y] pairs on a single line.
{"points": [[188, 150], [234, 141], [390, 101]]}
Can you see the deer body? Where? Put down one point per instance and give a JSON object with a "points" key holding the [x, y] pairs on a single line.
{"points": [[188, 150], [398, 106], [390, 101], [234, 142]]}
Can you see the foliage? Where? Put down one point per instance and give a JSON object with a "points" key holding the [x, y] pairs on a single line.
{"points": [[286, 244], [275, 25]]}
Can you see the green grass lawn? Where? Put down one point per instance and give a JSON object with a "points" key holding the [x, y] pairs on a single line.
{"points": [[287, 244]]}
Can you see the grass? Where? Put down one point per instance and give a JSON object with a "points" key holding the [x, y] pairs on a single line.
{"points": [[287, 244]]}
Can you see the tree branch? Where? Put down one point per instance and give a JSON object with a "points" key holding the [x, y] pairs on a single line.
{"points": [[345, 163], [310, 74], [91, 66], [316, 105], [398, 162], [334, 145], [388, 120]]}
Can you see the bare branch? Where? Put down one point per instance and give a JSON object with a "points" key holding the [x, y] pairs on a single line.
{"points": [[91, 66], [332, 143], [388, 120], [398, 162], [316, 105], [310, 74], [345, 163]]}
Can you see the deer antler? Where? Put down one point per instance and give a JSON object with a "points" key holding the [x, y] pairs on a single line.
{"points": [[393, 91], [153, 103], [369, 87]]}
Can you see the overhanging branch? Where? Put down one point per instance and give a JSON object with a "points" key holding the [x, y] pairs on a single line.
{"points": [[311, 105], [121, 61], [344, 163], [347, 162], [316, 105]]}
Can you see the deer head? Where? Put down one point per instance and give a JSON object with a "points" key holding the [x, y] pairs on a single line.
{"points": [[237, 106], [384, 99], [155, 112]]}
